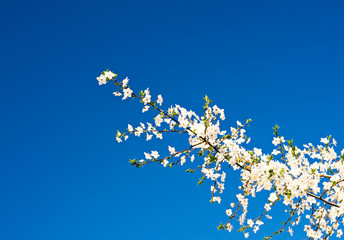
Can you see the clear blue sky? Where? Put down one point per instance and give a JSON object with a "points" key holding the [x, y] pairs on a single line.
{"points": [[62, 175]]}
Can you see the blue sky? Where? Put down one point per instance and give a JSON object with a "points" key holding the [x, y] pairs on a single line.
{"points": [[63, 176]]}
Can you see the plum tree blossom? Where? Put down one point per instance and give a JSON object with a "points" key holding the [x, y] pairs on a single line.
{"points": [[308, 181]]}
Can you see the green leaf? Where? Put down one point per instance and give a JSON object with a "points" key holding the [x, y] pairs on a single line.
{"points": [[275, 129], [220, 227], [134, 163], [200, 181], [271, 171]]}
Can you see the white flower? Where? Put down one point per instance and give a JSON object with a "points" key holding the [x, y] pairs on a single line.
{"points": [[290, 230], [159, 135], [117, 93], [149, 127], [222, 116], [172, 150], [145, 109], [138, 131], [229, 212], [125, 82], [182, 160], [158, 120], [147, 98], [216, 199], [247, 235], [212, 132], [155, 154], [335, 178], [275, 152], [273, 197], [334, 142], [127, 93], [255, 229], [250, 222], [118, 139], [257, 152], [267, 207], [109, 74], [192, 158], [324, 140], [164, 163], [160, 100], [229, 227], [101, 79], [223, 177], [147, 156], [130, 128], [149, 137], [278, 140]]}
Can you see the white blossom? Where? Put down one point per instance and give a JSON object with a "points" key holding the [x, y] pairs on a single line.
{"points": [[160, 100], [148, 156], [145, 109], [149, 137], [324, 140], [117, 93], [101, 79], [109, 75], [165, 163], [182, 160], [155, 154], [125, 82], [127, 93]]}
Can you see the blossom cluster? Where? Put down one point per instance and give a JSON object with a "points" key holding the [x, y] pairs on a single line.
{"points": [[308, 181]]}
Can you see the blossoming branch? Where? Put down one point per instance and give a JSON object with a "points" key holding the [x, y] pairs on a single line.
{"points": [[309, 181]]}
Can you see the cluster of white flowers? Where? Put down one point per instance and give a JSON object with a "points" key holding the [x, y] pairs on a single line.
{"points": [[309, 181], [105, 77]]}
